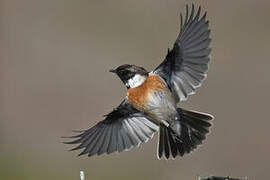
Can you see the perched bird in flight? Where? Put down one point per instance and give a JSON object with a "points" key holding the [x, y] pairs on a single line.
{"points": [[151, 103]]}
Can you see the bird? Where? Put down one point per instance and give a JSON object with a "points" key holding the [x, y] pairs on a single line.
{"points": [[151, 104]]}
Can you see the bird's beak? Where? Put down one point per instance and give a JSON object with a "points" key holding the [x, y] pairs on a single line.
{"points": [[113, 70]]}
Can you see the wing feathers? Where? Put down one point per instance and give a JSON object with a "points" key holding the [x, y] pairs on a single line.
{"points": [[113, 140], [131, 134], [125, 127], [138, 131], [120, 144], [105, 142], [148, 132], [126, 139], [198, 45], [89, 143], [98, 142], [118, 136], [185, 66]]}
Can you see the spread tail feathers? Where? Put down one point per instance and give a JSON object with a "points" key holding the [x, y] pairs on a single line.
{"points": [[183, 135]]}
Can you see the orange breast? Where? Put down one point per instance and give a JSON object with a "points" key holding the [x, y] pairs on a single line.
{"points": [[138, 96]]}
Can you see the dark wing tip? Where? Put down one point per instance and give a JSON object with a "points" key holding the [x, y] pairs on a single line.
{"points": [[181, 21], [78, 131], [81, 133], [189, 17], [76, 136], [72, 142], [204, 16], [198, 13], [187, 12], [191, 14]]}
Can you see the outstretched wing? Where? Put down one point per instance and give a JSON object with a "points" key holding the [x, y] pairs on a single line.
{"points": [[123, 128], [185, 66]]}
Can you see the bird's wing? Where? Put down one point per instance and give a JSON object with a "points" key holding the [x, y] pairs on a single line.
{"points": [[123, 128], [185, 66]]}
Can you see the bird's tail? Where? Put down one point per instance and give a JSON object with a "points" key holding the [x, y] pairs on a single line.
{"points": [[183, 135]]}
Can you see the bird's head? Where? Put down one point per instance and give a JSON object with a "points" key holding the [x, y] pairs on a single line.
{"points": [[132, 76]]}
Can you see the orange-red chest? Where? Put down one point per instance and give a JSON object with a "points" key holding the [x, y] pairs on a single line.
{"points": [[139, 96]]}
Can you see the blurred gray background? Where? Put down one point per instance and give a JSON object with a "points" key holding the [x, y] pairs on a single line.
{"points": [[54, 62]]}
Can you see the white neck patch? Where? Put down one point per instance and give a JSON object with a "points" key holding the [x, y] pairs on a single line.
{"points": [[136, 81]]}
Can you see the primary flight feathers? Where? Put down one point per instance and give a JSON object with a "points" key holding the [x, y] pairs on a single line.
{"points": [[123, 128], [186, 65]]}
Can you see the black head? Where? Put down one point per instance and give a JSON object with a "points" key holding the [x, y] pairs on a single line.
{"points": [[127, 72]]}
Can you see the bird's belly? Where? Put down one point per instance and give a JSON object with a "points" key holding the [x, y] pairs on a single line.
{"points": [[161, 106], [153, 98], [157, 104]]}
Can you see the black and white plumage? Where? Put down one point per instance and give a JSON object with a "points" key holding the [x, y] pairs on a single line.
{"points": [[152, 99]]}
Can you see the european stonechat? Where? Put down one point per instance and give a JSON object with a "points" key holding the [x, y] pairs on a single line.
{"points": [[151, 103]]}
